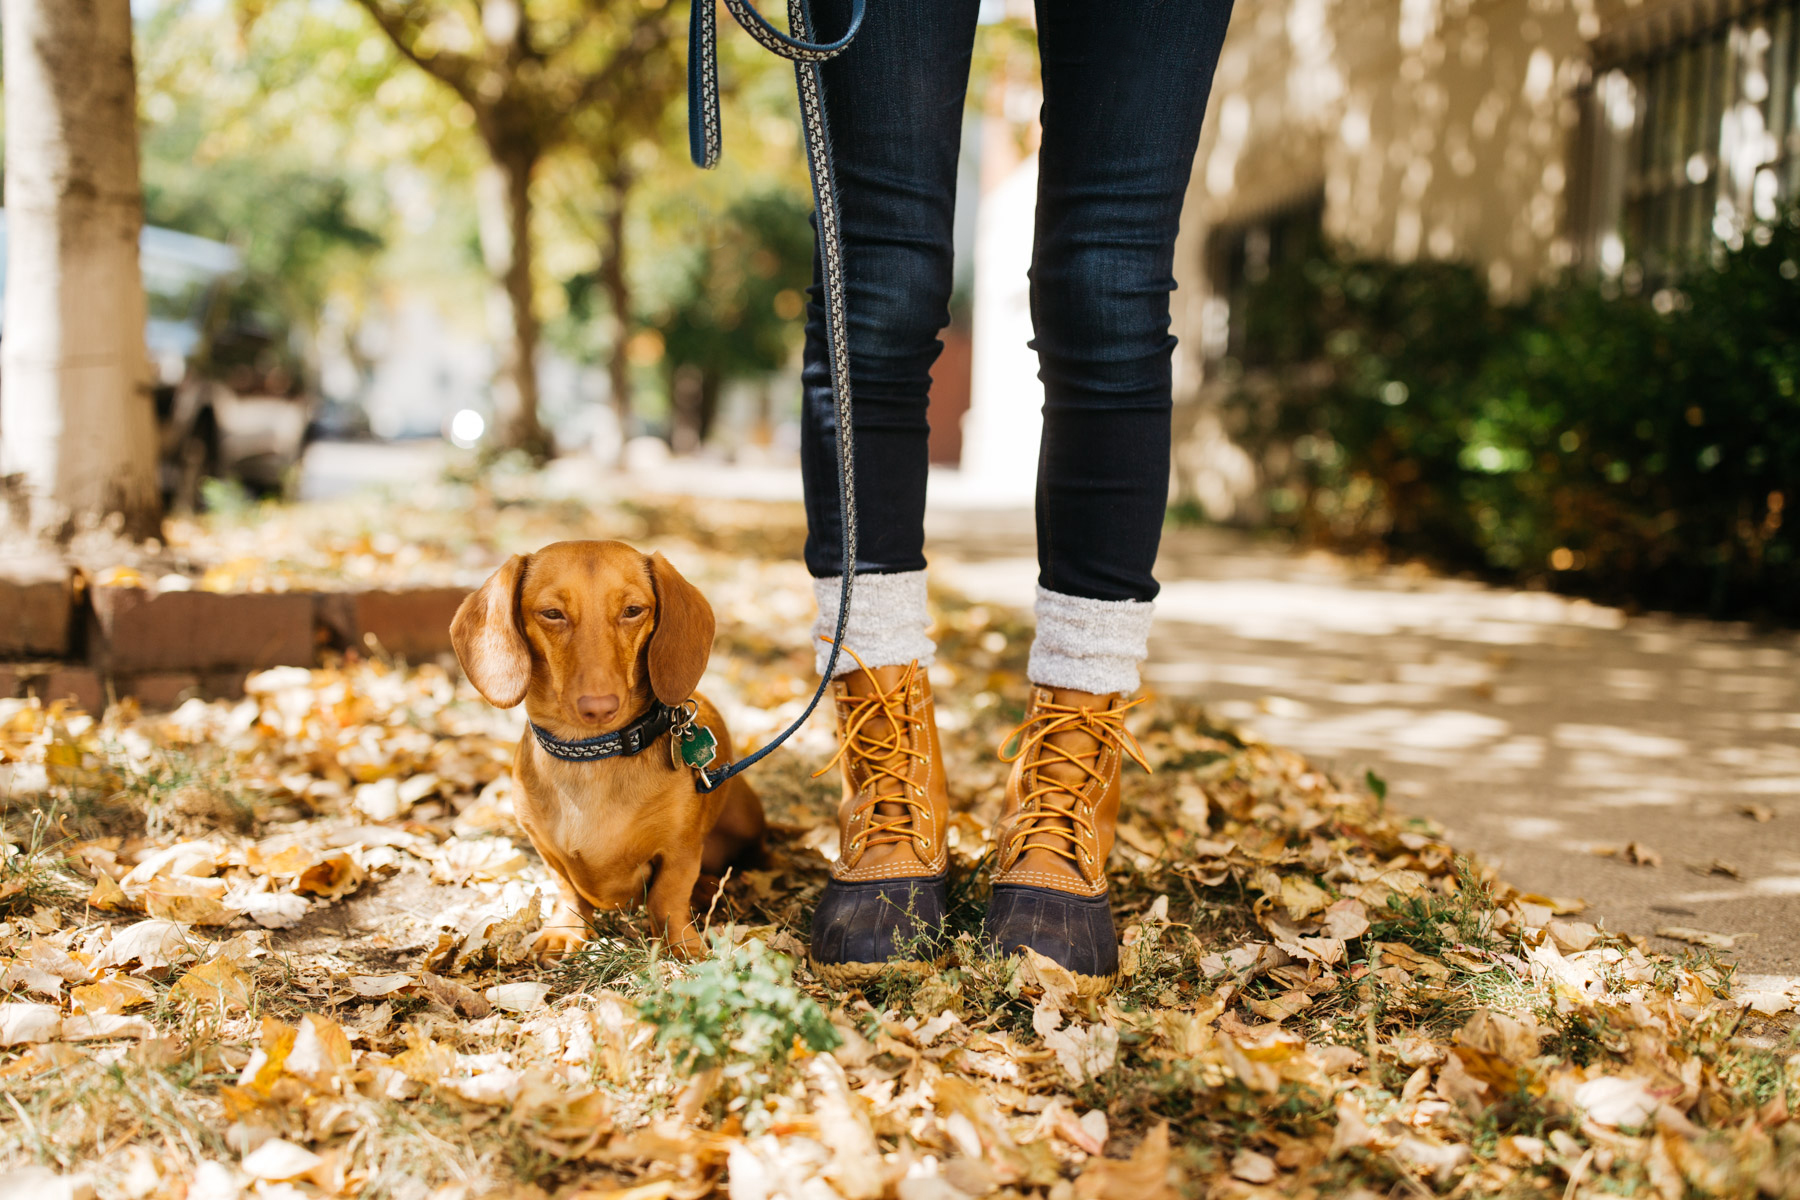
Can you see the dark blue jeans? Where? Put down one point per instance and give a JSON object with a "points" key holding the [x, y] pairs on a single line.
{"points": [[1125, 87]]}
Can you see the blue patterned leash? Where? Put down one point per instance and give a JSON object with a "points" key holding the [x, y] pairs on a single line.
{"points": [[704, 144]]}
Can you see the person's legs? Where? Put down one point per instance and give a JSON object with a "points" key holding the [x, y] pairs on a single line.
{"points": [[1125, 88], [894, 104]]}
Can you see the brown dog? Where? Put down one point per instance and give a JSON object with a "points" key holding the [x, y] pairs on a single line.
{"points": [[592, 635]]}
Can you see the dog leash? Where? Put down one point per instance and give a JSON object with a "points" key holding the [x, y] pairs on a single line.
{"points": [[705, 142]]}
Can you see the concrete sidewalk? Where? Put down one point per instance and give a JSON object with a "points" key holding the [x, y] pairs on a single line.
{"points": [[1541, 731]]}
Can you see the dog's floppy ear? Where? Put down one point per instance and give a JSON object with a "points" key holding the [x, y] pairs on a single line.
{"points": [[682, 640], [489, 645]]}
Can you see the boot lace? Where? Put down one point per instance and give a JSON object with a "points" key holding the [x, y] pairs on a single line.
{"points": [[1049, 813], [887, 753]]}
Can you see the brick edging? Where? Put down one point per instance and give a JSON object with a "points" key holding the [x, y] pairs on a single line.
{"points": [[61, 637]]}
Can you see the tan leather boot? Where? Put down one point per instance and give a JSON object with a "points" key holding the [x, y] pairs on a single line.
{"points": [[884, 904], [1056, 831]]}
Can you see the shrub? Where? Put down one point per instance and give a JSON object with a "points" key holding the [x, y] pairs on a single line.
{"points": [[740, 1006], [1636, 446]]}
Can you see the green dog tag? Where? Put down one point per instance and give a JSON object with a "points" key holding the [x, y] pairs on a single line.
{"points": [[699, 748]]}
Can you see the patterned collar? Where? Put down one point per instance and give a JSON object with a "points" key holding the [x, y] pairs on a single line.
{"points": [[624, 742]]}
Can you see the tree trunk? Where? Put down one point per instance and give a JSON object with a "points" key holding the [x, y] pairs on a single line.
{"points": [[77, 422], [618, 296], [687, 400], [503, 201]]}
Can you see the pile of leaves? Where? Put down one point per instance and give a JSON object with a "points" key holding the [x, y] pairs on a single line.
{"points": [[281, 947]]}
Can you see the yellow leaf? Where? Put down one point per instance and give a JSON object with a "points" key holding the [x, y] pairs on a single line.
{"points": [[114, 995], [219, 982], [320, 1050], [109, 896], [179, 898], [331, 877], [1302, 897]]}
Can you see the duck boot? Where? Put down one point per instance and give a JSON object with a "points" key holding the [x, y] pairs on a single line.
{"points": [[1056, 830], [883, 907]]}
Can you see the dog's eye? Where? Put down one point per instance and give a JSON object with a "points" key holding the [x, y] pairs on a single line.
{"points": [[552, 614], [632, 610]]}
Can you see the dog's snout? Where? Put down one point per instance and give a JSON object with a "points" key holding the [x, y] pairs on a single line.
{"points": [[597, 708]]}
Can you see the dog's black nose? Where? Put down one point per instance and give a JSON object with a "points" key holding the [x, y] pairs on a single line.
{"points": [[597, 708]]}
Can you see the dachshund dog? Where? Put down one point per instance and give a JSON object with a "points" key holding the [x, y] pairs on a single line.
{"points": [[593, 637]]}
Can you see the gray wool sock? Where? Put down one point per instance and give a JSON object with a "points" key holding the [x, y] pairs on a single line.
{"points": [[888, 621], [1089, 645]]}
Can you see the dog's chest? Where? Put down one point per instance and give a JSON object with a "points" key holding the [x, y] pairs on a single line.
{"points": [[606, 826]]}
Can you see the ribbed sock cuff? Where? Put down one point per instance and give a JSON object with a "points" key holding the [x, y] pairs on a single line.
{"points": [[888, 621], [1089, 645]]}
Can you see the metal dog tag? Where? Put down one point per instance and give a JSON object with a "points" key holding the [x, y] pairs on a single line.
{"points": [[699, 748]]}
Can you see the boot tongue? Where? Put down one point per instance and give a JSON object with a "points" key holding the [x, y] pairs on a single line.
{"points": [[879, 731], [1053, 768]]}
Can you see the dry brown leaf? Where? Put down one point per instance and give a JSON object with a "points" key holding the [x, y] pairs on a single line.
{"points": [[104, 1026], [451, 995], [22, 1023], [188, 901], [330, 877], [1702, 937], [1145, 1176], [1252, 1167], [108, 896], [155, 945]]}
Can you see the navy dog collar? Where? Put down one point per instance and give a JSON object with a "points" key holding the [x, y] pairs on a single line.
{"points": [[620, 743]]}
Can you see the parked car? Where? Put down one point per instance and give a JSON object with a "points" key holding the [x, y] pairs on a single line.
{"points": [[230, 392]]}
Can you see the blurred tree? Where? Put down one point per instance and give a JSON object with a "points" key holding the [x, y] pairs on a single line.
{"points": [[77, 425], [736, 314], [526, 71], [295, 132], [619, 129]]}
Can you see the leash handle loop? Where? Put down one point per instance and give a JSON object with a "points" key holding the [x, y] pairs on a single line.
{"points": [[704, 143], [705, 136]]}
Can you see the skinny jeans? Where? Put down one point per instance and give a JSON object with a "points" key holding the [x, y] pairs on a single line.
{"points": [[1125, 86]]}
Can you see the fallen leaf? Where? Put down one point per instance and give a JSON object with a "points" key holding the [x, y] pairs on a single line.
{"points": [[1701, 937], [108, 896], [379, 985], [518, 997], [451, 995], [114, 994], [104, 1026], [1347, 920], [1145, 1176], [188, 901], [155, 945], [331, 877], [42, 1183], [22, 1022], [219, 982], [1616, 1100], [276, 1159]]}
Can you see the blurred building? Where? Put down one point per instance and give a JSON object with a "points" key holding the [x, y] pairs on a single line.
{"points": [[1523, 136]]}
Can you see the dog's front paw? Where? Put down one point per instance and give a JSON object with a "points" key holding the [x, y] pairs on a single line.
{"points": [[558, 941]]}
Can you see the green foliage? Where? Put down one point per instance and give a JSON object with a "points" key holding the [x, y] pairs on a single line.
{"points": [[1433, 922], [736, 311], [33, 869], [740, 1006], [1635, 446]]}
